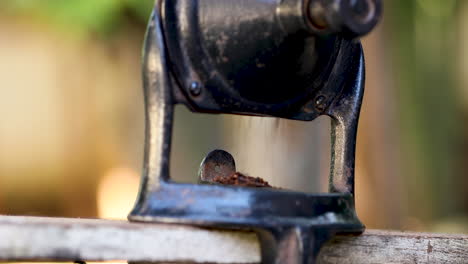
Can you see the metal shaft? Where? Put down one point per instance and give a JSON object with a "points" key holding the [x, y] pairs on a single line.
{"points": [[352, 18]]}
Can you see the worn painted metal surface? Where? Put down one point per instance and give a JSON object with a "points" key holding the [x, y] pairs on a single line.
{"points": [[295, 59]]}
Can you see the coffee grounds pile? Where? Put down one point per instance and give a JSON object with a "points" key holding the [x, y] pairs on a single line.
{"points": [[239, 179]]}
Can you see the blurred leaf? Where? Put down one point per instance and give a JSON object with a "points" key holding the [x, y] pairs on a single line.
{"points": [[93, 15], [101, 16]]}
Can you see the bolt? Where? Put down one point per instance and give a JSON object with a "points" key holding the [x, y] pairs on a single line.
{"points": [[195, 88], [320, 103]]}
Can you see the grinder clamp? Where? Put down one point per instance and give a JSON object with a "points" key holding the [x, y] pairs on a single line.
{"points": [[295, 59]]}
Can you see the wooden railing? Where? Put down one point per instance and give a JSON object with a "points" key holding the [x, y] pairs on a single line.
{"points": [[61, 239]]}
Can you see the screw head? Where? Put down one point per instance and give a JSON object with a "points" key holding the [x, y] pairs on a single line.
{"points": [[195, 88], [320, 103]]}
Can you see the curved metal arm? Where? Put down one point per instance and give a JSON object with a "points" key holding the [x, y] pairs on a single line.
{"points": [[345, 116], [159, 108]]}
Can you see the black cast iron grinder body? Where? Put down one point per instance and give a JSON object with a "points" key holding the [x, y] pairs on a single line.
{"points": [[294, 59]]}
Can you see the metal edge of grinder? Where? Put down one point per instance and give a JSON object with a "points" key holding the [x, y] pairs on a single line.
{"points": [[203, 53]]}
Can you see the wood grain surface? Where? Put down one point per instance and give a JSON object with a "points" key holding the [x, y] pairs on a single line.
{"points": [[61, 239]]}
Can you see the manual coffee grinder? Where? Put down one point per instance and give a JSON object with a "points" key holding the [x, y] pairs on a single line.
{"points": [[294, 59]]}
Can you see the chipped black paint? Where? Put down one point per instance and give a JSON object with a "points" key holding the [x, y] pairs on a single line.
{"points": [[251, 57]]}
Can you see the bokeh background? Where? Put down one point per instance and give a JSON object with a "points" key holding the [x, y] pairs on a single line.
{"points": [[71, 117]]}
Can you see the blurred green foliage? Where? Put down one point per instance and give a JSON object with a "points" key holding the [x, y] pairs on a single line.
{"points": [[425, 47], [82, 16]]}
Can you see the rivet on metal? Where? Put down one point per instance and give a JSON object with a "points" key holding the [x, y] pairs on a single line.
{"points": [[195, 89], [320, 103]]}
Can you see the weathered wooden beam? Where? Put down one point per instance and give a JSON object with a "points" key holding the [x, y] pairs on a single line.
{"points": [[376, 246], [59, 239]]}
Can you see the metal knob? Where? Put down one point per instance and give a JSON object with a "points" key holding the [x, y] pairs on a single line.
{"points": [[351, 18]]}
